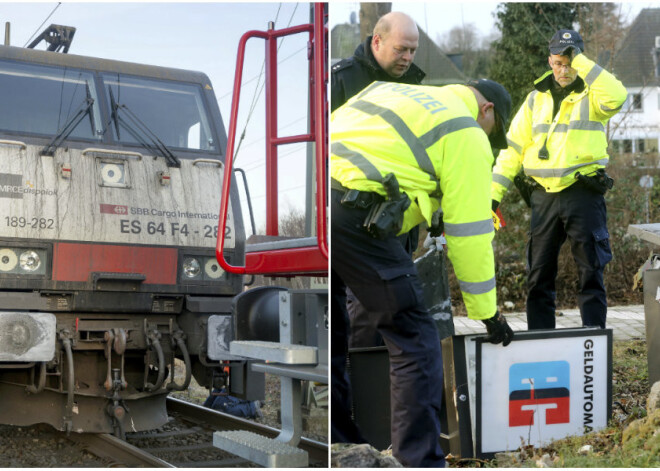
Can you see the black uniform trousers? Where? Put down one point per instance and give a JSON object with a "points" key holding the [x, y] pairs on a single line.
{"points": [[382, 276], [579, 214], [363, 333]]}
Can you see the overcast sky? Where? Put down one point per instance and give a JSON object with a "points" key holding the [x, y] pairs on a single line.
{"points": [[439, 17], [202, 37]]}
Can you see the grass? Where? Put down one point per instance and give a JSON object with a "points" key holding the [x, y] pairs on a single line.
{"points": [[630, 441]]}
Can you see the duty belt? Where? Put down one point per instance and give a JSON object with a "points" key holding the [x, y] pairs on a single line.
{"points": [[356, 198]]}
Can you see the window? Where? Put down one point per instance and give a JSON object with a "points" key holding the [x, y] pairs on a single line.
{"points": [[627, 146], [633, 102], [172, 112], [44, 100], [650, 145]]}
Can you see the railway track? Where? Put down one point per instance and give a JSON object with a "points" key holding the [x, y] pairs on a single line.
{"points": [[186, 441]]}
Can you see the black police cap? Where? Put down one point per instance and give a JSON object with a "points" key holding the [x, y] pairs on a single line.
{"points": [[497, 94], [565, 38]]}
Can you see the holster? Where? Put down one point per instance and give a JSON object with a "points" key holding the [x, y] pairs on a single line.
{"points": [[360, 199], [599, 182], [386, 218]]}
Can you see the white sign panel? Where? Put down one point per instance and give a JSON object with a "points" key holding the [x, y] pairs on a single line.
{"points": [[544, 386]]}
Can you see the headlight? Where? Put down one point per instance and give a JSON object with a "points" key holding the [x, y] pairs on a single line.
{"points": [[30, 261], [212, 269], [23, 261], [191, 267], [8, 260]]}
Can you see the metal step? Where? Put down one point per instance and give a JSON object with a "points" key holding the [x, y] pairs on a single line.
{"points": [[275, 352], [261, 450]]}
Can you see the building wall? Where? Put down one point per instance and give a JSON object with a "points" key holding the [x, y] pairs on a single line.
{"points": [[636, 128]]}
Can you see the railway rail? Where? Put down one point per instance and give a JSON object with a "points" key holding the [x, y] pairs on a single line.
{"points": [[185, 441]]}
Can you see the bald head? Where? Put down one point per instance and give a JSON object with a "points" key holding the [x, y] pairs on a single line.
{"points": [[394, 43]]}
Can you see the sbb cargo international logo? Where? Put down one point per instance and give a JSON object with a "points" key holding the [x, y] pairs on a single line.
{"points": [[114, 209], [541, 387]]}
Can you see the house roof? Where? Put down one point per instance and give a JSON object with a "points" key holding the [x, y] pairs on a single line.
{"points": [[440, 70], [634, 64]]}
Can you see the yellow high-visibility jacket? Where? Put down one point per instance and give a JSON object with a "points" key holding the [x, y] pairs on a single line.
{"points": [[428, 137], [575, 138]]}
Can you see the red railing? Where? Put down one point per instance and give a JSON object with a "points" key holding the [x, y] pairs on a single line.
{"points": [[304, 259]]}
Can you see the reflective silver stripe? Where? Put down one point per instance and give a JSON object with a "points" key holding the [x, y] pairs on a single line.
{"points": [[515, 145], [449, 126], [477, 288], [369, 88], [587, 125], [579, 125], [605, 108], [559, 172], [540, 128], [530, 100], [467, 229], [415, 145], [593, 74], [357, 159], [502, 180], [584, 109]]}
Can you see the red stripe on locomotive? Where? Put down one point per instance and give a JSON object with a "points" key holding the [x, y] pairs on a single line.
{"points": [[159, 265]]}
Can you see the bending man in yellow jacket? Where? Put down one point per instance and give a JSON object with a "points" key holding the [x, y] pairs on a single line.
{"points": [[558, 139], [398, 153]]}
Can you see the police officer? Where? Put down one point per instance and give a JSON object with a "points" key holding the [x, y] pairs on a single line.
{"points": [[386, 55], [558, 139], [397, 151]]}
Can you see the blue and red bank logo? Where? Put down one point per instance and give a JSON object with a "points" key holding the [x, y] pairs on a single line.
{"points": [[540, 386]]}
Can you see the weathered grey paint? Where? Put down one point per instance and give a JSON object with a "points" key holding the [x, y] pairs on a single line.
{"points": [[74, 204]]}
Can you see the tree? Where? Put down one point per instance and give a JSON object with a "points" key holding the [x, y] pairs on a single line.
{"points": [[465, 42], [369, 14], [459, 39], [603, 29], [520, 56], [292, 225]]}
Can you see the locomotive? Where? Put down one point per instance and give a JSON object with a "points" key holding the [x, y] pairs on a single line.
{"points": [[110, 188]]}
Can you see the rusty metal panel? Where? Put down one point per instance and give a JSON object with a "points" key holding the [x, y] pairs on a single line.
{"points": [[458, 439], [27, 336], [220, 332]]}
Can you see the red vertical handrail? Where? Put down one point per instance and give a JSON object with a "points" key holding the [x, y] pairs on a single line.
{"points": [[272, 199], [321, 124], [318, 37]]}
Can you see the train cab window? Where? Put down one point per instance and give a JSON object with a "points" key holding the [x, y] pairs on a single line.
{"points": [[45, 100], [172, 112]]}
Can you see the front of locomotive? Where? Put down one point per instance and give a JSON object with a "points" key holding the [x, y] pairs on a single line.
{"points": [[110, 184]]}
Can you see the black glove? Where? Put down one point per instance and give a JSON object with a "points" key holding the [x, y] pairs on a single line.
{"points": [[494, 205], [437, 226], [498, 330]]}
